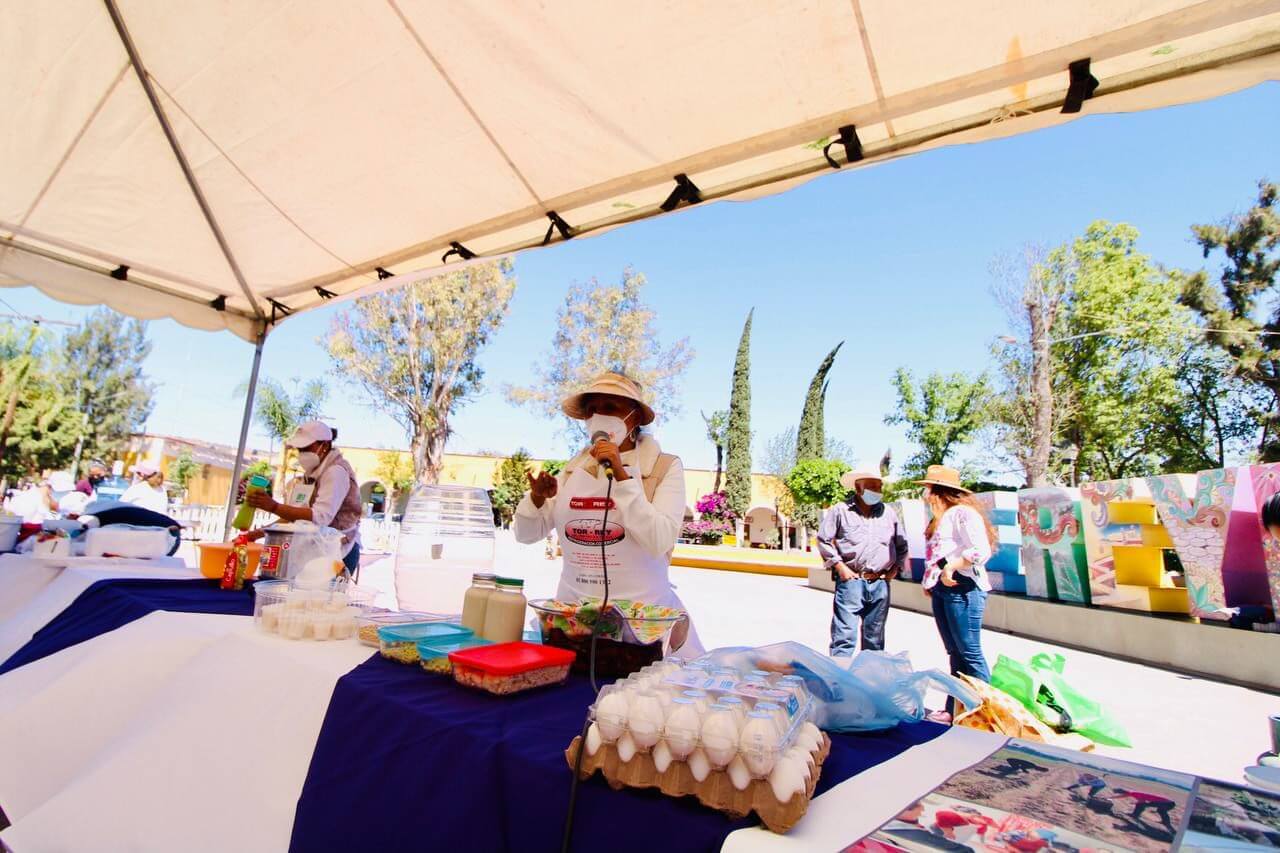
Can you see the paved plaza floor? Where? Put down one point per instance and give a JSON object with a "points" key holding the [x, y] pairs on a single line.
{"points": [[1176, 721]]}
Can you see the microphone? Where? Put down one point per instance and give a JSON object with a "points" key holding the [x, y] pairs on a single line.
{"points": [[597, 437]]}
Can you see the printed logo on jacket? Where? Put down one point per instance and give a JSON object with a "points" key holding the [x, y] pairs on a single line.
{"points": [[587, 531]]}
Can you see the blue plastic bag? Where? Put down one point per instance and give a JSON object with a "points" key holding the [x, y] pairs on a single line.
{"points": [[877, 691]]}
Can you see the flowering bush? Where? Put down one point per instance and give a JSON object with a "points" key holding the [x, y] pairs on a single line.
{"points": [[706, 532], [715, 507]]}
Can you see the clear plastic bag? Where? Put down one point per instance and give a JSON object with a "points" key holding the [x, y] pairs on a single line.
{"points": [[309, 543], [877, 691]]}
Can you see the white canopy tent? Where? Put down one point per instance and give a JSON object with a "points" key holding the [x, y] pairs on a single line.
{"points": [[228, 163]]}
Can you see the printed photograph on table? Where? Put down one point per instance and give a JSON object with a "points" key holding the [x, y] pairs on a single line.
{"points": [[1029, 798], [1228, 817]]}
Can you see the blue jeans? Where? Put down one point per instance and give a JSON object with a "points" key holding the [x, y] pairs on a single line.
{"points": [[860, 607], [957, 610]]}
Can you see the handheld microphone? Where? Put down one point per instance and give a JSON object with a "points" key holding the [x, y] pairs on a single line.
{"points": [[597, 437]]}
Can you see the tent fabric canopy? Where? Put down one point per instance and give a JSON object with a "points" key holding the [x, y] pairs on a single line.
{"points": [[225, 164]]}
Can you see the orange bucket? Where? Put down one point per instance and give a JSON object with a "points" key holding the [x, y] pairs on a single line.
{"points": [[213, 558]]}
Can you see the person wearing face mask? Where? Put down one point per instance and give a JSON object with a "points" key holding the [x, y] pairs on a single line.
{"points": [[861, 542], [646, 501], [88, 485], [326, 494]]}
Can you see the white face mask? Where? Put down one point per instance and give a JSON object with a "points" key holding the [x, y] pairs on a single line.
{"points": [[308, 461], [871, 498], [615, 428]]}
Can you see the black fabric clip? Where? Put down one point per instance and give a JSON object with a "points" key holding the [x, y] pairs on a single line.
{"points": [[685, 191], [459, 250], [120, 273], [325, 294], [848, 137], [557, 224], [383, 273], [1081, 88], [219, 304], [278, 308]]}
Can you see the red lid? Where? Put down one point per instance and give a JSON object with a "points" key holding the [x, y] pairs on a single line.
{"points": [[512, 658]]}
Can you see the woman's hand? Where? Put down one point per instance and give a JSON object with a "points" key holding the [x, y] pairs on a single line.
{"points": [[261, 500], [541, 487], [604, 451]]}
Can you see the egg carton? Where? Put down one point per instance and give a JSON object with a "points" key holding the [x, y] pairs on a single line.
{"points": [[780, 801], [728, 716]]}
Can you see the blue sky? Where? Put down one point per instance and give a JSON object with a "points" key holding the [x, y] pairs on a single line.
{"points": [[893, 259]]}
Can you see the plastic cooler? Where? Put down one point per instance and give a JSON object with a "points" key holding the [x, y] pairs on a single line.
{"points": [[511, 667], [446, 535]]}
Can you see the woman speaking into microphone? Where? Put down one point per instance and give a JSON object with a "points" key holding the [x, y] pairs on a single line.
{"points": [[627, 522]]}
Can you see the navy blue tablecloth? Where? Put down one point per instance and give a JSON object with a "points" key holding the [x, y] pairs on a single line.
{"points": [[408, 761], [110, 604]]}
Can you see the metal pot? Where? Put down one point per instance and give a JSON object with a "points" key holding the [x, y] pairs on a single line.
{"points": [[274, 564]]}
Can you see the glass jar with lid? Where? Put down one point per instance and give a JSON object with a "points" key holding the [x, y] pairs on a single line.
{"points": [[476, 599], [504, 611]]}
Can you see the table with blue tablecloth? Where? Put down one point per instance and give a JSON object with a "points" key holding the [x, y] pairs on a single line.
{"points": [[193, 730]]}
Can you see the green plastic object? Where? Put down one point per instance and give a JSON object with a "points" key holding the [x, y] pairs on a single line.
{"points": [[244, 515], [1039, 686]]}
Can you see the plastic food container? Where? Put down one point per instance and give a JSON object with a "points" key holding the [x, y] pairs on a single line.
{"points": [[367, 625], [643, 641], [511, 667], [434, 653], [213, 558], [400, 642], [327, 613]]}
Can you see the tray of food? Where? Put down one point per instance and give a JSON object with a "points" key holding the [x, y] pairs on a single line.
{"points": [[508, 668], [631, 635]]}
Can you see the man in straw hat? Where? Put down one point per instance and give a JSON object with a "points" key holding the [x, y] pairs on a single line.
{"points": [[861, 543], [617, 506]]}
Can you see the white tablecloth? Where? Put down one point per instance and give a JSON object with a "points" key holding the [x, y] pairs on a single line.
{"points": [[137, 739], [35, 590]]}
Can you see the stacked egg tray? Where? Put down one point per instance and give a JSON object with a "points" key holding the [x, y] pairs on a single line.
{"points": [[740, 742]]}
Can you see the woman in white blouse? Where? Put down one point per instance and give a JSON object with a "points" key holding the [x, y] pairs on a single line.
{"points": [[959, 542]]}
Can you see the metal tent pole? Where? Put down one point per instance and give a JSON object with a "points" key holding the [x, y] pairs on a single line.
{"points": [[238, 466]]}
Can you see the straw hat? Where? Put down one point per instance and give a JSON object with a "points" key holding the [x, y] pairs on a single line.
{"points": [[942, 475], [849, 479], [613, 385]]}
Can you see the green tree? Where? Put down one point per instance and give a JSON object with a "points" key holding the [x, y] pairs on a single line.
{"points": [[779, 455], [717, 430], [279, 412], [1241, 309], [1121, 333], [412, 351], [39, 424], [105, 382], [606, 328], [816, 482], [941, 414], [182, 470], [811, 438], [511, 484], [395, 472], [737, 481], [1216, 420]]}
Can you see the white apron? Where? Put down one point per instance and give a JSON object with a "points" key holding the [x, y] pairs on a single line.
{"points": [[634, 574]]}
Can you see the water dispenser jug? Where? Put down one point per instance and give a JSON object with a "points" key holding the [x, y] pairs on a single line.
{"points": [[446, 536]]}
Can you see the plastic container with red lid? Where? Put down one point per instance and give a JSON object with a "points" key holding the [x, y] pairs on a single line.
{"points": [[511, 667]]}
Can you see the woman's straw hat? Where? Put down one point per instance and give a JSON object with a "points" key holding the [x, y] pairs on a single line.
{"points": [[613, 385], [942, 475]]}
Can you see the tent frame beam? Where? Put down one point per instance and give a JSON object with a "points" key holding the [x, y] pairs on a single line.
{"points": [[135, 59], [237, 467]]}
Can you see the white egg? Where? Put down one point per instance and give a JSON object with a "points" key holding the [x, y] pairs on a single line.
{"points": [[593, 739], [611, 714], [699, 765], [661, 757], [759, 743], [626, 748], [739, 775], [645, 720], [680, 732], [720, 738], [787, 779], [804, 758], [812, 734]]}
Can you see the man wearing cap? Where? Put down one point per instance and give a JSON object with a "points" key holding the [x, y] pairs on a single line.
{"points": [[617, 506], [861, 543], [327, 493]]}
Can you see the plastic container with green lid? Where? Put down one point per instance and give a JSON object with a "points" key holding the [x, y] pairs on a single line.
{"points": [[400, 642], [433, 652]]}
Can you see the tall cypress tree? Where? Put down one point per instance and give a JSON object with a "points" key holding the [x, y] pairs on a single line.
{"points": [[811, 437], [737, 480]]}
